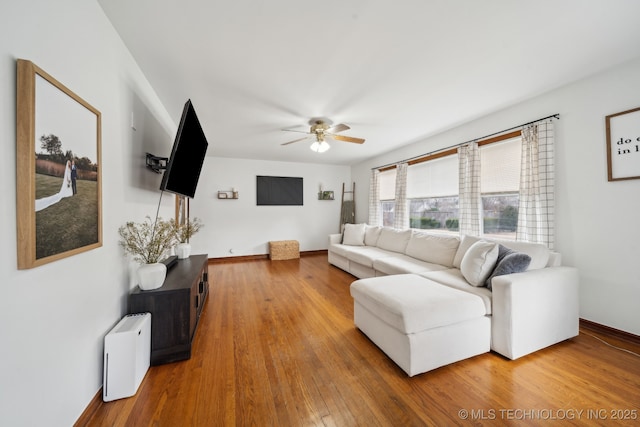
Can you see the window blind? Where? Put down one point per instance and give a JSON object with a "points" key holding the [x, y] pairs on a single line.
{"points": [[387, 181], [435, 178], [500, 166]]}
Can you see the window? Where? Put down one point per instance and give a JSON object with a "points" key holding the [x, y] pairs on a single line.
{"points": [[387, 185], [500, 185], [432, 190]]}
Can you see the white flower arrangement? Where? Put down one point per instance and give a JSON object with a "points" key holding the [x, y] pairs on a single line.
{"points": [[148, 242]]}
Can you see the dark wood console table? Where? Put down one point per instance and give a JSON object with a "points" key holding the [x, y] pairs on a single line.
{"points": [[175, 308]]}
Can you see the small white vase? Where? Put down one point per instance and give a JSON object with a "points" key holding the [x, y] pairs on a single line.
{"points": [[183, 250], [151, 276]]}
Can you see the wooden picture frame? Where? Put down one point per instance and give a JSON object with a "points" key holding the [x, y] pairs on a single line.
{"points": [[623, 145], [58, 170], [182, 209]]}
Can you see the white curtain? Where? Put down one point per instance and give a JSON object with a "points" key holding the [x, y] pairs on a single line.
{"points": [[374, 198], [401, 217], [537, 188], [470, 203]]}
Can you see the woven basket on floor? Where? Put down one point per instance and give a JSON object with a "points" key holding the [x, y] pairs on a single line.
{"points": [[284, 249]]}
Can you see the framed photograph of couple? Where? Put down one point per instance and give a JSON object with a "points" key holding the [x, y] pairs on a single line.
{"points": [[58, 170]]}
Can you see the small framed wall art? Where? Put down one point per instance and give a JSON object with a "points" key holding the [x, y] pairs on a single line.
{"points": [[623, 145], [59, 193], [325, 195]]}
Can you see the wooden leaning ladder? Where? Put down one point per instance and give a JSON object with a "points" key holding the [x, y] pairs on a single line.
{"points": [[348, 207]]}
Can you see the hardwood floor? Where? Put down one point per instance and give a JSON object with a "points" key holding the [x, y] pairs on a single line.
{"points": [[276, 346]]}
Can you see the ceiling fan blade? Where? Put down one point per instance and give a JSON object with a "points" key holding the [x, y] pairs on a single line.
{"points": [[347, 138], [338, 128], [294, 130], [295, 140]]}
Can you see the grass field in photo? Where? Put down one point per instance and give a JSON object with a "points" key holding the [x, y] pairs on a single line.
{"points": [[69, 224]]}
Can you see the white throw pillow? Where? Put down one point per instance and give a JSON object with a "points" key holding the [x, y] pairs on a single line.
{"points": [[479, 261], [463, 247], [353, 235]]}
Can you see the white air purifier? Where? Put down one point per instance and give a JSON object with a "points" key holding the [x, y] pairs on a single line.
{"points": [[127, 355]]}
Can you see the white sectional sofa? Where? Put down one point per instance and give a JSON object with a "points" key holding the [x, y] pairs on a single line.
{"points": [[401, 305]]}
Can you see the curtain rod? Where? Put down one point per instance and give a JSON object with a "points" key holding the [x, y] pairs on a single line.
{"points": [[557, 116]]}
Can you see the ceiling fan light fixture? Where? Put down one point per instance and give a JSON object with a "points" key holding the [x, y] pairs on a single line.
{"points": [[321, 129], [320, 146]]}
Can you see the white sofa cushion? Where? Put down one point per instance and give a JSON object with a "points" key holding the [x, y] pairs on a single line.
{"points": [[404, 264], [371, 234], [453, 278], [339, 249], [365, 255], [394, 240], [353, 234], [478, 262], [538, 252], [433, 248], [411, 303]]}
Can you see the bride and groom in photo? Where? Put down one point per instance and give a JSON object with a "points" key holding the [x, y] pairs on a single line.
{"points": [[67, 189]]}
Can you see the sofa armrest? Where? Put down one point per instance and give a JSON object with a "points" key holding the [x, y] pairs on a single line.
{"points": [[555, 259], [534, 309], [335, 238]]}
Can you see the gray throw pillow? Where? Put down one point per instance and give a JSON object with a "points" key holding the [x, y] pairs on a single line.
{"points": [[509, 261]]}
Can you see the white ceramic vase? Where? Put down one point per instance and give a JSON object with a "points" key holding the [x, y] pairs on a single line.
{"points": [[183, 250], [151, 276]]}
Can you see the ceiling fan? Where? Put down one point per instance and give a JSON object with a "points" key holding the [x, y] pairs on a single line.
{"points": [[321, 129]]}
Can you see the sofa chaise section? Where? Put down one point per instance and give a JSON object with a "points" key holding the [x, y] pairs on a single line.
{"points": [[420, 324]]}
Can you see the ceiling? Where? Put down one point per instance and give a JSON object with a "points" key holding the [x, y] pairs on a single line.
{"points": [[395, 72]]}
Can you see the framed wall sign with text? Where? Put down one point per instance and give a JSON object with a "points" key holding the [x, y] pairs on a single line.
{"points": [[623, 145]]}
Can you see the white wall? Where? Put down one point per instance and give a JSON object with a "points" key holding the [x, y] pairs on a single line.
{"points": [[53, 318], [596, 220], [245, 228]]}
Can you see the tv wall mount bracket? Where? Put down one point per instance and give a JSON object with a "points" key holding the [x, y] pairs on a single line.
{"points": [[156, 164]]}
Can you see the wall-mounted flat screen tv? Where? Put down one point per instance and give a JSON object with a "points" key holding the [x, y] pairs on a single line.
{"points": [[187, 156], [278, 191]]}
